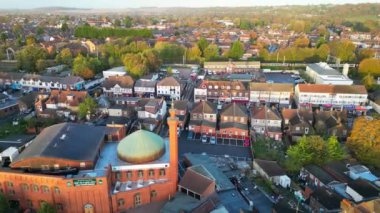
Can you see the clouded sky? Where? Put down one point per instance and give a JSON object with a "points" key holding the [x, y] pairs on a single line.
{"points": [[27, 4]]}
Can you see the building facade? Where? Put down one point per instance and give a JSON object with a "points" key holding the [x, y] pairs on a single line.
{"points": [[222, 91], [170, 88], [271, 93]]}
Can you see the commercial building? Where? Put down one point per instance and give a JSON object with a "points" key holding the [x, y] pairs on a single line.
{"points": [[71, 167], [271, 93], [350, 97], [232, 66], [322, 73], [222, 91]]}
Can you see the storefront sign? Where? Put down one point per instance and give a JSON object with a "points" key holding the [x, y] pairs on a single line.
{"points": [[84, 182]]}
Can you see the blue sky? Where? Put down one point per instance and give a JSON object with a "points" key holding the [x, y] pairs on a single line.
{"points": [[27, 4]]}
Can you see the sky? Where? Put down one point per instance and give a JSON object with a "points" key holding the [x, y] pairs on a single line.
{"points": [[30, 4]]}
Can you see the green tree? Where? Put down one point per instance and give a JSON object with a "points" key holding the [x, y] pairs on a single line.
{"points": [[169, 71], [343, 49], [169, 52], [64, 27], [369, 82], [212, 51], [31, 40], [128, 21], [40, 30], [370, 66], [322, 52], [236, 51], [153, 59], [4, 204], [41, 65], [3, 37], [65, 57], [28, 56], [136, 64], [117, 23], [83, 67], [87, 107], [202, 45], [335, 149]]}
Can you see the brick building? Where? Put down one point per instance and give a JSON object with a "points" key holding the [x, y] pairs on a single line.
{"points": [[234, 121], [203, 118]]}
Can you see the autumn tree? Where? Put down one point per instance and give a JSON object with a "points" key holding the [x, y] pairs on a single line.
{"points": [[370, 66], [343, 49], [236, 51], [31, 40], [65, 57], [153, 59], [28, 56], [366, 53], [194, 54], [136, 64], [322, 52], [369, 82], [364, 141], [86, 67], [301, 42]]}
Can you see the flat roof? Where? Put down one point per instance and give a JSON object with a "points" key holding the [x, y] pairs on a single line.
{"points": [[108, 156], [323, 69]]}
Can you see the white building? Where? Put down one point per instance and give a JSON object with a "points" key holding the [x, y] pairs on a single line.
{"points": [[36, 82], [271, 93], [115, 71], [169, 87], [337, 96], [322, 73]]}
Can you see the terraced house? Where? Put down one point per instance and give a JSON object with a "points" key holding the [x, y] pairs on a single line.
{"points": [[222, 91]]}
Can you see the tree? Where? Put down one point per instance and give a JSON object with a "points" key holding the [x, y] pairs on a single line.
{"points": [[83, 67], [3, 37], [343, 49], [87, 107], [153, 59], [28, 56], [194, 54], [136, 64], [366, 53], [4, 204], [301, 42], [202, 45], [335, 149], [64, 27], [40, 30], [65, 57], [369, 82], [128, 22], [236, 51], [117, 23], [169, 52], [370, 66], [364, 141], [41, 65], [31, 40], [322, 52], [47, 208], [212, 51]]}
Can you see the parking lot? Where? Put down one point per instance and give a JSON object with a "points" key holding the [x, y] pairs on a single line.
{"points": [[280, 77], [219, 141]]}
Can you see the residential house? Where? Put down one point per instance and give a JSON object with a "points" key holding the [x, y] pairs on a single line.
{"points": [[315, 177], [331, 123], [325, 200], [8, 106], [115, 86], [280, 94], [181, 111], [297, 122], [222, 91], [145, 88], [271, 171], [367, 206], [359, 171], [360, 190], [349, 97], [26, 102], [266, 121], [232, 66], [203, 118], [151, 112], [234, 121], [63, 103], [170, 88]]}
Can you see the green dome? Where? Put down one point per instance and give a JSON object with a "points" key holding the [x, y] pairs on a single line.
{"points": [[141, 147]]}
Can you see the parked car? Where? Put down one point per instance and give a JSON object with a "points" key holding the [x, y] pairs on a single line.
{"points": [[213, 140], [204, 139]]}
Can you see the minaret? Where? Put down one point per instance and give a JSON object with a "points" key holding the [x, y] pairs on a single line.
{"points": [[173, 144]]}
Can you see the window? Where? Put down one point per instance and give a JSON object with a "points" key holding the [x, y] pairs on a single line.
{"points": [[151, 173], [89, 208], [140, 173], [306, 130], [82, 164], [118, 175], [120, 202], [162, 172], [35, 188], [297, 128], [129, 174], [45, 189], [25, 187], [45, 167], [56, 190], [11, 192], [9, 184], [137, 199], [153, 194]]}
